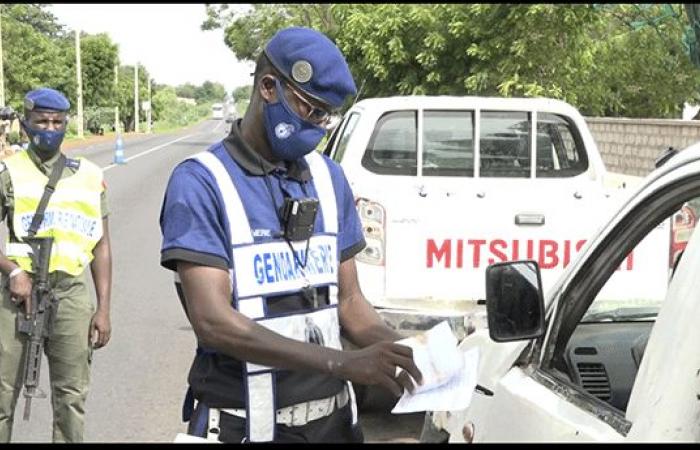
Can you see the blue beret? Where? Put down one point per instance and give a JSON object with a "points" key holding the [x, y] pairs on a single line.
{"points": [[313, 62], [46, 98]]}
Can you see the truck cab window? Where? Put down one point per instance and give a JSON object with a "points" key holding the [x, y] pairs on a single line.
{"points": [[448, 143], [392, 149], [504, 144], [559, 152]]}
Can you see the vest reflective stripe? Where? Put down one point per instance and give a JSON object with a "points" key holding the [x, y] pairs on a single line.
{"points": [[252, 307], [353, 402], [333, 294], [260, 407], [249, 298], [324, 188], [239, 229], [73, 216], [64, 250], [70, 193]]}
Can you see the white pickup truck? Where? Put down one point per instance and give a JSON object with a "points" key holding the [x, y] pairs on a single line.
{"points": [[446, 186], [580, 363]]}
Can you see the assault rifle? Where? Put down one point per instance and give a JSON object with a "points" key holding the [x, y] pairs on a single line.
{"points": [[38, 324]]}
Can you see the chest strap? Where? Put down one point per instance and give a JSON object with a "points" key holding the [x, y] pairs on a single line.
{"points": [[48, 191]]}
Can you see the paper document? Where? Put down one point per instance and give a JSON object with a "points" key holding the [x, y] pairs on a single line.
{"points": [[184, 438], [449, 375]]}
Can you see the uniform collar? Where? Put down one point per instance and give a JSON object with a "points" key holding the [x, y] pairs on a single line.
{"points": [[44, 166], [253, 163]]}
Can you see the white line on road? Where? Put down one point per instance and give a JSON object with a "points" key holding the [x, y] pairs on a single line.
{"points": [[150, 150], [217, 127]]}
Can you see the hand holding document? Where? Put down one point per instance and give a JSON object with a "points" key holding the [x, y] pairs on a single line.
{"points": [[449, 375]]}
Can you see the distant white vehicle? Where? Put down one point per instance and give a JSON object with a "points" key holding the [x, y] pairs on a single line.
{"points": [[217, 111], [230, 111]]}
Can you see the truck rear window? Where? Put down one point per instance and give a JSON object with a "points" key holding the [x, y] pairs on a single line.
{"points": [[559, 150], [505, 139], [392, 149], [505, 144], [448, 144]]}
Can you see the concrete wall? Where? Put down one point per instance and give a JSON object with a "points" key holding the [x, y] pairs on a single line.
{"points": [[630, 146]]}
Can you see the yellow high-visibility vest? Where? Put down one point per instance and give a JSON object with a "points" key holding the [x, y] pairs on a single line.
{"points": [[73, 216]]}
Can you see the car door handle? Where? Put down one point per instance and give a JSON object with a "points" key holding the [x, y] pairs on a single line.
{"points": [[529, 219], [421, 191], [487, 392]]}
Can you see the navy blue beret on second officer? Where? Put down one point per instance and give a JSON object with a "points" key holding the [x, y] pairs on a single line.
{"points": [[313, 62], [46, 99]]}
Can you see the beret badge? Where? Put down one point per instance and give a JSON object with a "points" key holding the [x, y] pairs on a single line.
{"points": [[302, 71]]}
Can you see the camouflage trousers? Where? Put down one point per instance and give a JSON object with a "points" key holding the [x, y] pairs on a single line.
{"points": [[68, 353]]}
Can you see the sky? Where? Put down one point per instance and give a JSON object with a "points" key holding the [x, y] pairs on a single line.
{"points": [[165, 38]]}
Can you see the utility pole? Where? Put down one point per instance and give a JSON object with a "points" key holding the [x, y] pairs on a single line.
{"points": [[150, 107], [2, 69], [136, 97], [80, 83], [116, 98]]}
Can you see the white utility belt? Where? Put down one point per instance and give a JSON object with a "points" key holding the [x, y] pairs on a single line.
{"points": [[302, 413]]}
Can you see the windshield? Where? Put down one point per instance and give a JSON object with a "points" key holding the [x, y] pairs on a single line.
{"points": [[615, 311], [638, 287]]}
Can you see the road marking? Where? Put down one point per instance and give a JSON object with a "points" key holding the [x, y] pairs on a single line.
{"points": [[150, 150], [217, 127]]}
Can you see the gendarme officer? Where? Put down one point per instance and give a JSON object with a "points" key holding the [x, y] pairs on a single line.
{"points": [[76, 218], [262, 232]]}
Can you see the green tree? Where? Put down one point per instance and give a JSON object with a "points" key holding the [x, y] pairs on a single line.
{"points": [[125, 95], [170, 111], [600, 59], [246, 33], [33, 52], [165, 103], [187, 90], [37, 17], [209, 92], [242, 93], [99, 55]]}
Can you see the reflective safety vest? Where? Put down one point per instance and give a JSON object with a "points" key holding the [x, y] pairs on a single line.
{"points": [[268, 268], [73, 216]]}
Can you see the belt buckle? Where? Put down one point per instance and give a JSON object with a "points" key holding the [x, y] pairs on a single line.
{"points": [[300, 414]]}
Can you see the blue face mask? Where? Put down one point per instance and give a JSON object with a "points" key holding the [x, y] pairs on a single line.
{"points": [[290, 136], [46, 143]]}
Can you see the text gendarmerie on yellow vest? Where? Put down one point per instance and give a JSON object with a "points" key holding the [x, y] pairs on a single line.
{"points": [[73, 216]]}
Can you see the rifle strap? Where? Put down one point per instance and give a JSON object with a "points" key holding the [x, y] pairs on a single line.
{"points": [[48, 190]]}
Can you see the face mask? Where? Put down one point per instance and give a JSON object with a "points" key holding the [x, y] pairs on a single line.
{"points": [[46, 143], [290, 136]]}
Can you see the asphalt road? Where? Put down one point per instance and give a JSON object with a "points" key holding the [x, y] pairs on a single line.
{"points": [[139, 379]]}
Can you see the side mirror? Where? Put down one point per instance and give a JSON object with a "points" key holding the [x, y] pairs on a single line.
{"points": [[514, 302]]}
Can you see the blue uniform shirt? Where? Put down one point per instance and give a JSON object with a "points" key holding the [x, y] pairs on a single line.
{"points": [[194, 223], [195, 228]]}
